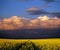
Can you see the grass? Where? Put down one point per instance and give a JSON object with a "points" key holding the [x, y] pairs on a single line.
{"points": [[29, 44]]}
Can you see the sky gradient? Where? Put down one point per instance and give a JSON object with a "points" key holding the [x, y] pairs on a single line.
{"points": [[10, 8], [29, 18]]}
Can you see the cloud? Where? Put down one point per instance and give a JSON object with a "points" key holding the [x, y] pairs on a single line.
{"points": [[36, 11], [45, 22], [16, 22], [56, 14], [49, 1], [23, 0], [32, 9]]}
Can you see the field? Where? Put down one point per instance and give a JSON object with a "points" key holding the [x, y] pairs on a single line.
{"points": [[29, 44]]}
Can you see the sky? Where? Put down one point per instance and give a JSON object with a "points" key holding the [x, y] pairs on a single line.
{"points": [[30, 14], [21, 8]]}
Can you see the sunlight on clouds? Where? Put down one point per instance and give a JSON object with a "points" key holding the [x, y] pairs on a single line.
{"points": [[33, 9], [12, 23], [45, 22], [16, 22], [43, 18]]}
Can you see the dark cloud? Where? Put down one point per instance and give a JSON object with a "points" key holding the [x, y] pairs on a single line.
{"points": [[24, 0], [56, 14], [49, 1], [36, 11]]}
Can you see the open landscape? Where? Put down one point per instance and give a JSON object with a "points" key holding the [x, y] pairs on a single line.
{"points": [[29, 24], [30, 44]]}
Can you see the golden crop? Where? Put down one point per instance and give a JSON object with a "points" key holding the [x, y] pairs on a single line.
{"points": [[29, 44]]}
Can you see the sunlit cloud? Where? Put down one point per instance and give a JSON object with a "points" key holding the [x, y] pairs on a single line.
{"points": [[32, 9], [16, 22], [12, 23], [45, 22], [36, 11]]}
